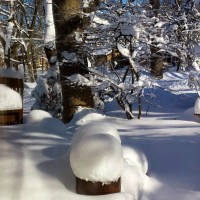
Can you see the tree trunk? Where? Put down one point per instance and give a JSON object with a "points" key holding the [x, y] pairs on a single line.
{"points": [[156, 63], [49, 38], [32, 68], [67, 20]]}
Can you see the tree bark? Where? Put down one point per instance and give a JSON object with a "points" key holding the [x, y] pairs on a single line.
{"points": [[33, 68], [68, 19], [156, 63]]}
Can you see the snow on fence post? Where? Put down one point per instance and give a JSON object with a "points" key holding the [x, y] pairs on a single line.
{"points": [[194, 83], [96, 159], [11, 96], [11, 109]]}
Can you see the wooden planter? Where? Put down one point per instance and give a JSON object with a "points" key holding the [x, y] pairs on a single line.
{"points": [[198, 115], [13, 83], [11, 117], [97, 188]]}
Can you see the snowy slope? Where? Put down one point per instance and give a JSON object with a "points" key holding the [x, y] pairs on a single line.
{"points": [[35, 156]]}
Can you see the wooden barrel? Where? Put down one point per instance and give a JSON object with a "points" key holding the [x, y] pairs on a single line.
{"points": [[13, 83], [11, 117], [97, 188]]}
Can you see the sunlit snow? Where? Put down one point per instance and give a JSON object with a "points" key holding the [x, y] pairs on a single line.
{"points": [[197, 106], [9, 99], [35, 162], [97, 158]]}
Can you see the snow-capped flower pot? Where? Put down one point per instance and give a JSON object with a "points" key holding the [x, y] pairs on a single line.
{"points": [[97, 163], [197, 107]]}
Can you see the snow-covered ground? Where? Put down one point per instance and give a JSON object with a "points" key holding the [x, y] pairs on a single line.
{"points": [[34, 157]]}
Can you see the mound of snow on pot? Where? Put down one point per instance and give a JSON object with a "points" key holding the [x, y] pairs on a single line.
{"points": [[46, 121], [86, 115], [93, 128], [36, 116], [9, 99], [11, 72], [97, 158]]}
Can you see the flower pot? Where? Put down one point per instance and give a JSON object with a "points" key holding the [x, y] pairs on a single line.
{"points": [[97, 188]]}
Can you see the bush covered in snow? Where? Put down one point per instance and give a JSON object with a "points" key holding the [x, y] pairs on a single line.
{"points": [[47, 93], [123, 34]]}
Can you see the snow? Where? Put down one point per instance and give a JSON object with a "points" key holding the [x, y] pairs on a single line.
{"points": [[41, 88], [196, 50], [37, 116], [196, 2], [102, 51], [11, 72], [123, 50], [86, 3], [131, 31], [93, 128], [69, 56], [195, 64], [44, 119], [84, 116], [98, 20], [197, 106], [160, 24], [135, 157], [9, 99], [79, 79], [49, 38], [53, 59], [35, 162], [9, 30], [101, 161], [133, 185]]}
